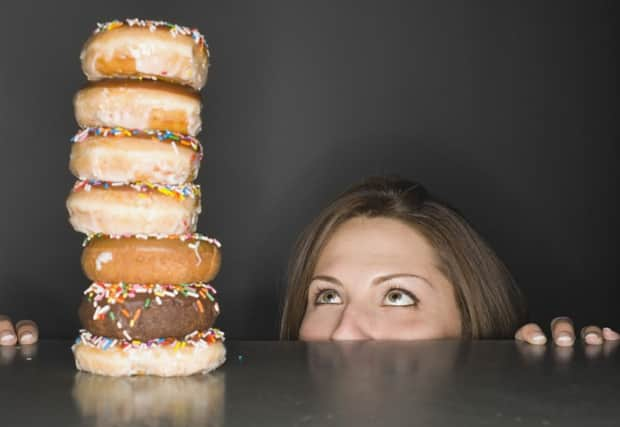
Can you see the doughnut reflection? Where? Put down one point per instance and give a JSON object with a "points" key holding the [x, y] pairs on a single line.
{"points": [[151, 401]]}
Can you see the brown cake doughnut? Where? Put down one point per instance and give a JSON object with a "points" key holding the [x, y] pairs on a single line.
{"points": [[188, 258], [146, 312], [137, 48], [138, 104]]}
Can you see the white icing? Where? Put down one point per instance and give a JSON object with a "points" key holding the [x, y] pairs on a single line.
{"points": [[103, 258], [195, 246]]}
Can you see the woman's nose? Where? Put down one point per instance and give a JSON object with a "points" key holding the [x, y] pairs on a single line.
{"points": [[350, 326]]}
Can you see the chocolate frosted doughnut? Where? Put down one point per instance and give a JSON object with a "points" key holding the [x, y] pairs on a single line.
{"points": [[146, 312]]}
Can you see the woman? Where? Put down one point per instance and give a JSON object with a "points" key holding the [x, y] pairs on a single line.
{"points": [[386, 260]]}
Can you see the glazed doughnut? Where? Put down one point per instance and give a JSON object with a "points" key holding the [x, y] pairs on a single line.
{"points": [[136, 48], [138, 104], [146, 312], [198, 352], [124, 155], [187, 258], [137, 208]]}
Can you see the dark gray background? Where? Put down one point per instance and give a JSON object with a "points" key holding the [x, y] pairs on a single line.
{"points": [[506, 109]]}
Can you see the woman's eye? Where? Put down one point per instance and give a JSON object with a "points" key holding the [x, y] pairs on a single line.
{"points": [[399, 297], [328, 296]]}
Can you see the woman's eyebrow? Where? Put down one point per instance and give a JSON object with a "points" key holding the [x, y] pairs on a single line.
{"points": [[329, 279], [381, 279]]}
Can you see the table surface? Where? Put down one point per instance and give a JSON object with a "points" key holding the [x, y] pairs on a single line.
{"points": [[426, 383]]}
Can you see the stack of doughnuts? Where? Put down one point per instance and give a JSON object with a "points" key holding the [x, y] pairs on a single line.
{"points": [[150, 308]]}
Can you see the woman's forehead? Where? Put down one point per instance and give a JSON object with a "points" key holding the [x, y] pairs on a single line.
{"points": [[376, 243]]}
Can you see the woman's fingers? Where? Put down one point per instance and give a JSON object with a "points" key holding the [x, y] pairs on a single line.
{"points": [[7, 332], [610, 335], [592, 335], [27, 332], [563, 331], [531, 334]]}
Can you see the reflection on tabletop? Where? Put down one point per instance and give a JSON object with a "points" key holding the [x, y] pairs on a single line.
{"points": [[368, 384], [562, 356], [9, 354], [353, 378], [151, 401]]}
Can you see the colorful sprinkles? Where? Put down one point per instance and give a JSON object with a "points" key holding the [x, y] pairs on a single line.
{"points": [[194, 339], [181, 191], [181, 237], [102, 295], [166, 136], [175, 30]]}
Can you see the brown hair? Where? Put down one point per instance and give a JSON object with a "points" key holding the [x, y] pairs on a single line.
{"points": [[490, 303]]}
